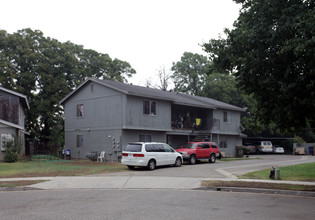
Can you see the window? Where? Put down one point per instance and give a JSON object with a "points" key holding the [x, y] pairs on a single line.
{"points": [[145, 138], [80, 110], [204, 146], [80, 140], [4, 139], [223, 143], [168, 148], [92, 88], [149, 108], [213, 145], [133, 147], [227, 117]]}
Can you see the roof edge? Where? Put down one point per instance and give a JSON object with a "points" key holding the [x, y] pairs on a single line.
{"points": [[16, 94]]}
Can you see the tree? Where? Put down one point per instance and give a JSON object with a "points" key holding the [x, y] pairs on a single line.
{"points": [[164, 78], [46, 70], [271, 51], [190, 72]]}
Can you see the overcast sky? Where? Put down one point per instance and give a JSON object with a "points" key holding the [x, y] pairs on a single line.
{"points": [[149, 34]]}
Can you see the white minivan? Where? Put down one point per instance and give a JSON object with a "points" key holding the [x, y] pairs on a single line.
{"points": [[265, 147], [150, 155]]}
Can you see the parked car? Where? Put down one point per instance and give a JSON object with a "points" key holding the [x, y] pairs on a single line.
{"points": [[277, 149], [150, 155], [250, 149], [194, 151], [264, 147]]}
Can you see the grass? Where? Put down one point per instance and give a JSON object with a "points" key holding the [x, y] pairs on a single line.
{"points": [[277, 186], [40, 168], [15, 184], [301, 172]]}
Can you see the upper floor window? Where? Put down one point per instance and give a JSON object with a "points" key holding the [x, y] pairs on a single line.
{"points": [[149, 108], [80, 110], [227, 117], [145, 138]]}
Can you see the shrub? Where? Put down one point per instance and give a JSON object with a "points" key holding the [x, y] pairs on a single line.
{"points": [[13, 149], [92, 156], [239, 151]]}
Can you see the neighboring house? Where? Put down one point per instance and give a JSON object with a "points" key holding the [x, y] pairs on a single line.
{"points": [[12, 117], [103, 115]]}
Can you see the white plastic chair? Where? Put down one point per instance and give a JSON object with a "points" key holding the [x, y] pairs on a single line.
{"points": [[101, 157]]}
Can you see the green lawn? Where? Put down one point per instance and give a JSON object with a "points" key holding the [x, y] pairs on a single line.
{"points": [[57, 168], [302, 172]]}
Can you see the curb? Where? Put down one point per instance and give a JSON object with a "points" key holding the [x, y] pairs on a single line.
{"points": [[258, 190]]}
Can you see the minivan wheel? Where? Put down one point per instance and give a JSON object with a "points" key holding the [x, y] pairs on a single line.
{"points": [[192, 159], [178, 162], [212, 158], [151, 165]]}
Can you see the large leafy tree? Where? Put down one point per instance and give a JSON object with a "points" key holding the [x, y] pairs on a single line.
{"points": [[189, 73], [46, 70], [220, 86], [271, 50]]}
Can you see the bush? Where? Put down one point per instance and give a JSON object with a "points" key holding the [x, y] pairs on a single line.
{"points": [[239, 151], [13, 149], [92, 156]]}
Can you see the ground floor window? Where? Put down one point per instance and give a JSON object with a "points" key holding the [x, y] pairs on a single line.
{"points": [[5, 138], [223, 143], [80, 140], [145, 138]]}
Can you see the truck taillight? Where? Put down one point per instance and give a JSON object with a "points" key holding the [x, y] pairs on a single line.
{"points": [[138, 155], [125, 155]]}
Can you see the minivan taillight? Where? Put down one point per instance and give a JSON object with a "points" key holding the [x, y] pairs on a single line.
{"points": [[125, 155], [138, 155]]}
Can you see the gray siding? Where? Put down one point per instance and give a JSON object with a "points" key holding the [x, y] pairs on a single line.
{"points": [[136, 119], [102, 121], [231, 127], [133, 136], [231, 140]]}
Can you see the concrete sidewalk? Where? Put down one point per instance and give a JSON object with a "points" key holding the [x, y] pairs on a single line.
{"points": [[133, 182]]}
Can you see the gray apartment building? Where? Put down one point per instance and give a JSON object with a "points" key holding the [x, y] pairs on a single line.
{"points": [[104, 115]]}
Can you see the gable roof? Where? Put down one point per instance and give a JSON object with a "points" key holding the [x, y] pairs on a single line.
{"points": [[146, 92], [23, 98]]}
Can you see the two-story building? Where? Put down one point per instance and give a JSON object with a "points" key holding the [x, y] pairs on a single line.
{"points": [[12, 118], [103, 115]]}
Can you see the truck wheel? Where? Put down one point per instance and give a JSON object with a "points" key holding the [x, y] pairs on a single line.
{"points": [[192, 159], [212, 158]]}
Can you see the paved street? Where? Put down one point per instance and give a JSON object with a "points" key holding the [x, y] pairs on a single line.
{"points": [[165, 193], [151, 204]]}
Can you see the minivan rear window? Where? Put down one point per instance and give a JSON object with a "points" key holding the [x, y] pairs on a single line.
{"points": [[133, 148]]}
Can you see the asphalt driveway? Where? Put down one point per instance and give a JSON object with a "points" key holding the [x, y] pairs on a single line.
{"points": [[221, 169]]}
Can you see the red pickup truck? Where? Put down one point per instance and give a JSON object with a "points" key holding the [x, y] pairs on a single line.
{"points": [[193, 151]]}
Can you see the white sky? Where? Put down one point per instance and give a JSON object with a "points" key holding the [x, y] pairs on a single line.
{"points": [[149, 34]]}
